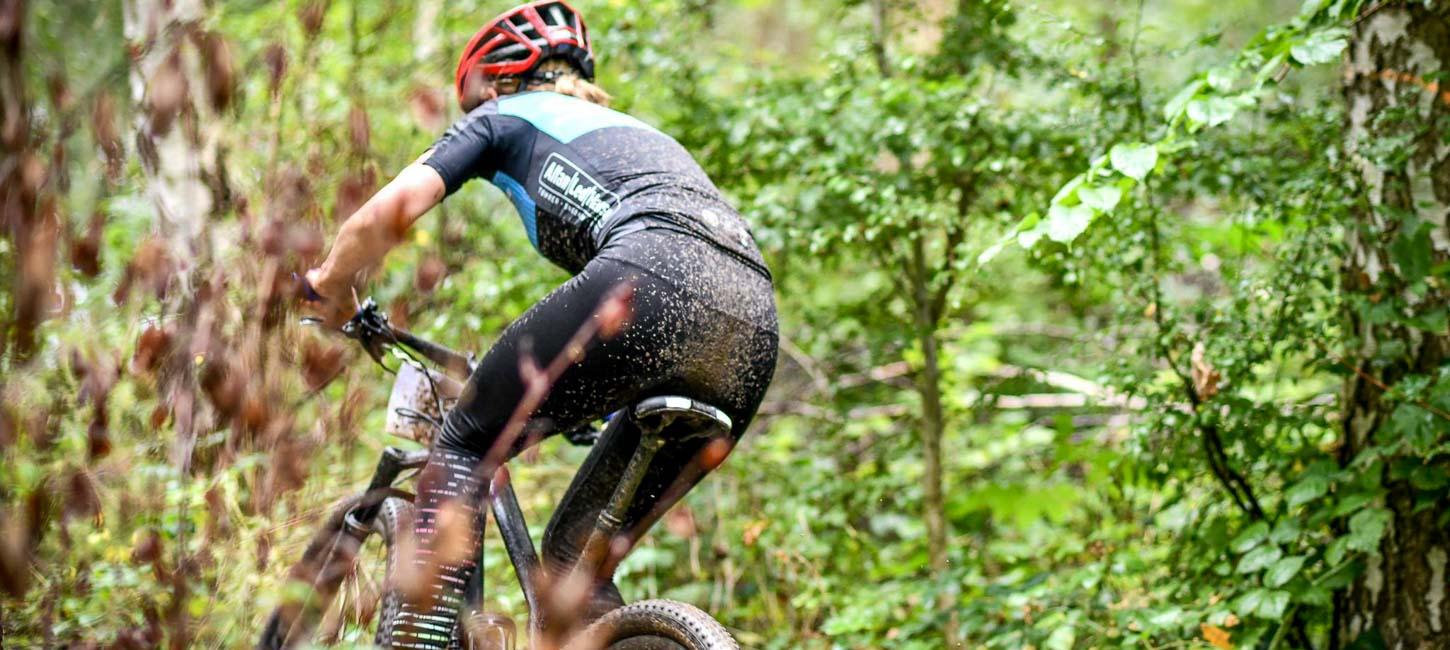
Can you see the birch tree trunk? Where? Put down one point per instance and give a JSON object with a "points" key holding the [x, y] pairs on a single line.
{"points": [[1397, 52], [175, 65]]}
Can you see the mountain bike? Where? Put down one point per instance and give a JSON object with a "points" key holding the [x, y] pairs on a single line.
{"points": [[420, 397]]}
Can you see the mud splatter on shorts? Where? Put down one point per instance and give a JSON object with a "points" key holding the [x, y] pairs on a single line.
{"points": [[703, 325]]}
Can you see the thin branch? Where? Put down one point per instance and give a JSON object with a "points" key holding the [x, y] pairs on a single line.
{"points": [[806, 363], [1231, 480], [1374, 381]]}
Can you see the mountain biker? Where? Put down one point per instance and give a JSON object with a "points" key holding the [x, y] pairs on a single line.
{"points": [[616, 202]]}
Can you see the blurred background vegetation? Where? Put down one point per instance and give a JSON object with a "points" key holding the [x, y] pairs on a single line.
{"points": [[1105, 324]]}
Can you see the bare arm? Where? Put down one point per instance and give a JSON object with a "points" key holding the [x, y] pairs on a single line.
{"points": [[371, 232]]}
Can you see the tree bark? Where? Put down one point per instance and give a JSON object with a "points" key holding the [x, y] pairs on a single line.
{"points": [[1395, 54]]}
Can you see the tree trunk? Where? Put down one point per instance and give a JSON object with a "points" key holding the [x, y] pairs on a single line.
{"points": [[174, 65], [928, 385], [1398, 232], [933, 424]]}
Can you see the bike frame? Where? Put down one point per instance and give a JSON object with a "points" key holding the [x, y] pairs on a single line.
{"points": [[503, 500]]}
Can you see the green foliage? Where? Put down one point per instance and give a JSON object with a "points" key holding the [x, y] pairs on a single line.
{"points": [[1106, 239]]}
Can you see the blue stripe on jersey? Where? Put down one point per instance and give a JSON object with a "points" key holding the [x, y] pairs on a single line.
{"points": [[522, 203], [564, 118]]}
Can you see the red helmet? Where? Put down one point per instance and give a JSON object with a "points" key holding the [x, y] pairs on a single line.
{"points": [[518, 39]]}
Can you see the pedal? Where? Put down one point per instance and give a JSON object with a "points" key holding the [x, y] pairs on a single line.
{"points": [[489, 631]]}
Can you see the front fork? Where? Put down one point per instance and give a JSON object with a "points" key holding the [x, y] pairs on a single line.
{"points": [[515, 534]]}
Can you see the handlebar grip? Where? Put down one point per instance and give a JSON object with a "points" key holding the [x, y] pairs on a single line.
{"points": [[308, 293]]}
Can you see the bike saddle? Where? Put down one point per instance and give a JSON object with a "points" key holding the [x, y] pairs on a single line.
{"points": [[680, 418]]}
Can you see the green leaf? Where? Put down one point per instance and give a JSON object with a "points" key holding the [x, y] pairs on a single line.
{"points": [[1029, 238], [1285, 531], [1320, 47], [1251, 537], [1068, 189], [1264, 603], [1366, 528], [1064, 224], [991, 252], [1273, 604], [1281, 572], [1259, 558], [1337, 550], [1061, 638], [1212, 111], [1174, 108], [1415, 425], [1307, 489], [1134, 160], [1222, 78], [1428, 477], [1412, 251], [1104, 198]]}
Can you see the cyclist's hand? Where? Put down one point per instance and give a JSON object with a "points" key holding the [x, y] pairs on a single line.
{"points": [[319, 298]]}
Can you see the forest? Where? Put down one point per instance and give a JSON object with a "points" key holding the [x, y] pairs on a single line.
{"points": [[1103, 324]]}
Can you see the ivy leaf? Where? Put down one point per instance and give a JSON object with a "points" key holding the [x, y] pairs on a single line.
{"points": [[1281, 572], [1415, 425], [1134, 160], [1366, 528], [1259, 558], [1411, 251], [1320, 47], [1064, 224], [1104, 198]]}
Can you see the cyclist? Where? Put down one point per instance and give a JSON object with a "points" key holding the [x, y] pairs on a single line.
{"points": [[616, 202]]}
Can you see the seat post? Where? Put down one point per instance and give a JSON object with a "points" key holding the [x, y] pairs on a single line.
{"points": [[659, 419], [611, 518]]}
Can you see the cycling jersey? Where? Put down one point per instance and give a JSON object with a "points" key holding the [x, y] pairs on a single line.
{"points": [[580, 174]]}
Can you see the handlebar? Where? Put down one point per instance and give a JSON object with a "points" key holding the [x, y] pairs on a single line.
{"points": [[370, 327]]}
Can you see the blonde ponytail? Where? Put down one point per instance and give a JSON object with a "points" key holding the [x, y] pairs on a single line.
{"points": [[568, 82], [573, 86]]}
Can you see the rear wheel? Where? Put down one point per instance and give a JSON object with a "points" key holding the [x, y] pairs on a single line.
{"points": [[656, 625]]}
